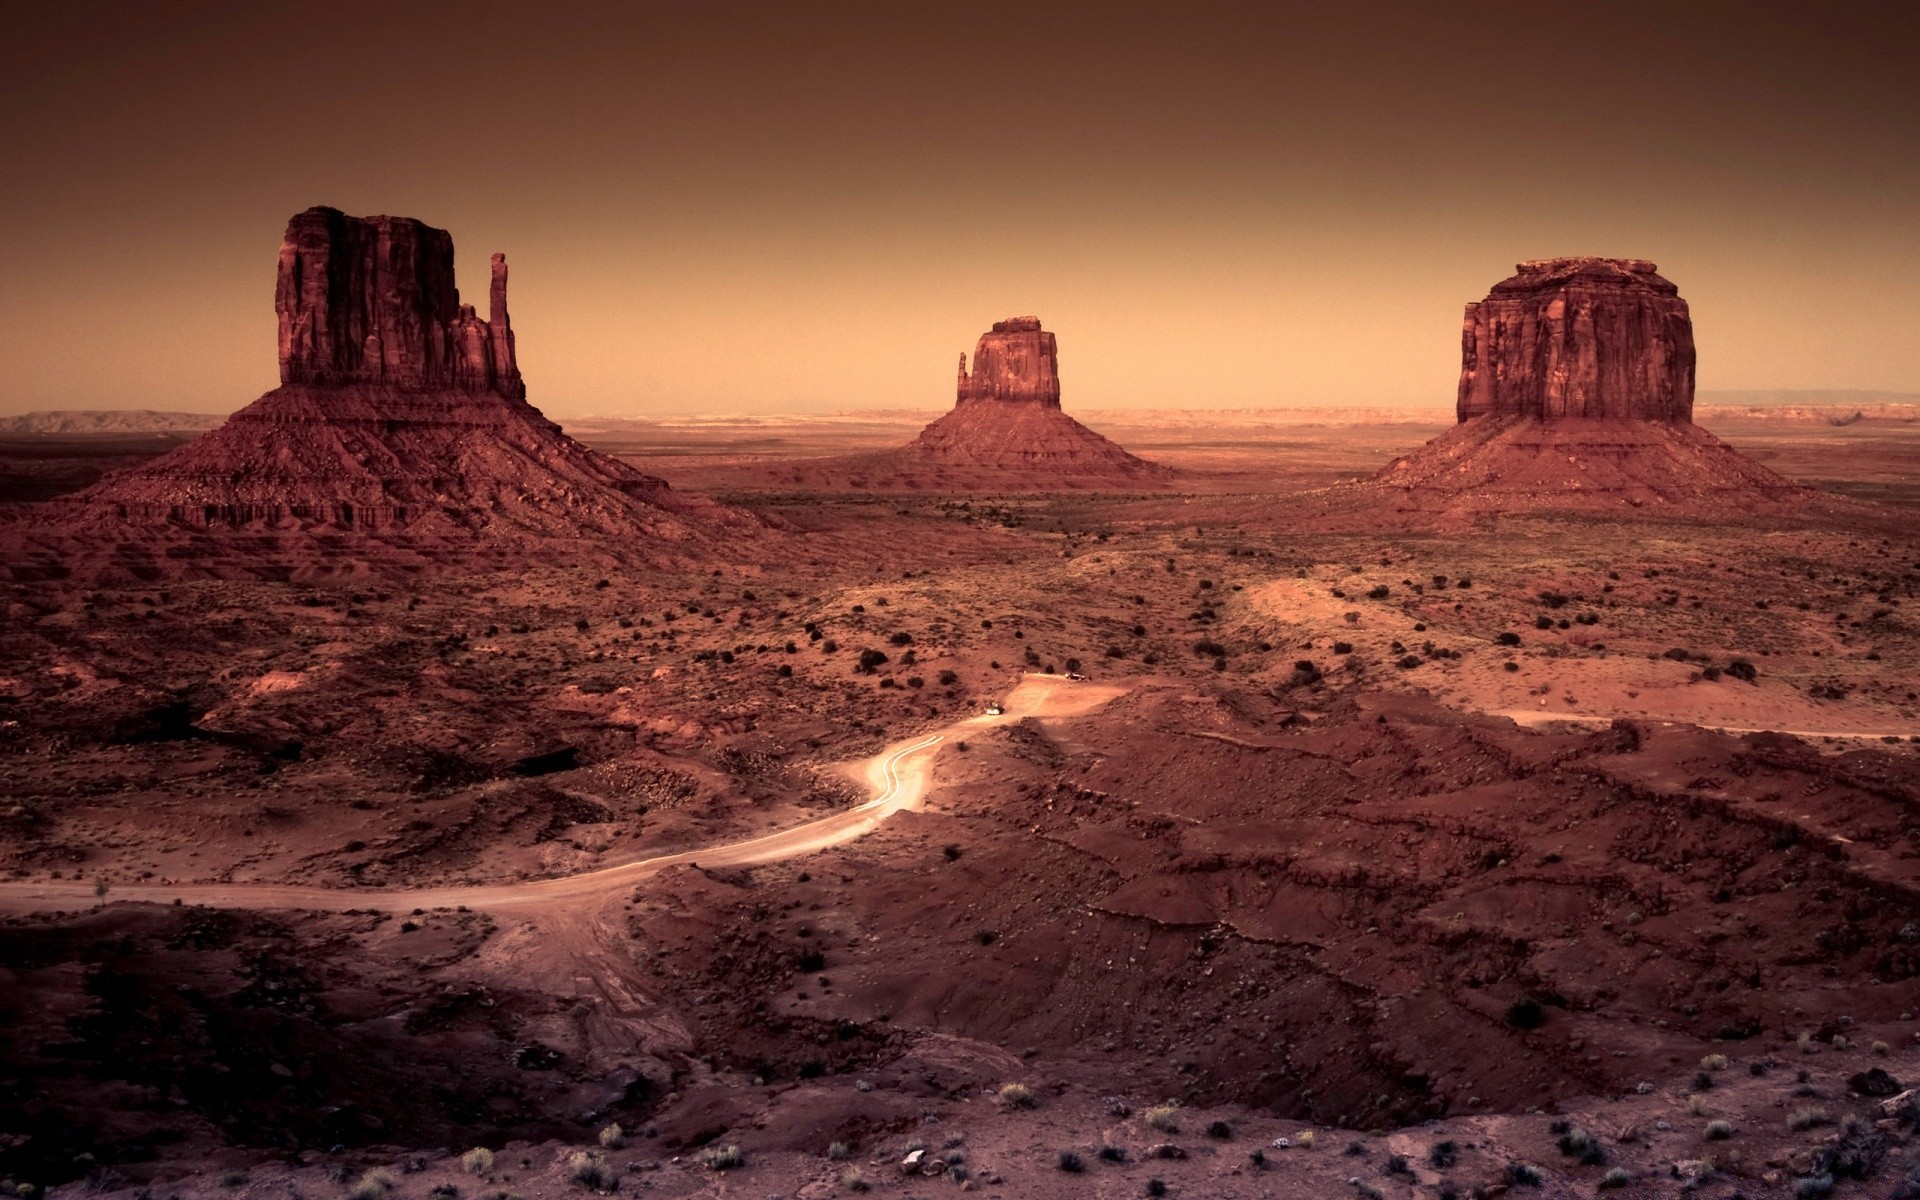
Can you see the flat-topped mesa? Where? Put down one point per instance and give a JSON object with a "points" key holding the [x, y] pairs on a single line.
{"points": [[1016, 361], [371, 300], [1579, 337]]}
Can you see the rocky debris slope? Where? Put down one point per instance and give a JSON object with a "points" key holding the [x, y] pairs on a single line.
{"points": [[400, 433]]}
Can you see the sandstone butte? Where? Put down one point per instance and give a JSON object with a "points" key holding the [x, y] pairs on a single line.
{"points": [[401, 416], [1576, 391], [1007, 419]]}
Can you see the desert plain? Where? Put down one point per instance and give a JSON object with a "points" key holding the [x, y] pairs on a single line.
{"points": [[1029, 842]]}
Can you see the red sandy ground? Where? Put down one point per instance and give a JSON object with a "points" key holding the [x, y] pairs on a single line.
{"points": [[1286, 882]]}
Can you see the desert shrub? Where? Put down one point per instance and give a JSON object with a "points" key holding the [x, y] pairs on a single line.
{"points": [[374, 1185], [1719, 1131], [1507, 638], [1814, 1187], [1510, 666], [952, 851], [1397, 1164], [1070, 1162], [1017, 1095], [1208, 646], [1808, 1117], [591, 1171], [1703, 1081], [1714, 1062], [1164, 1117], [1521, 1174], [1742, 670], [948, 678], [613, 1137], [852, 1180], [1304, 1139], [838, 1152], [1343, 647], [1442, 1155], [1881, 1048], [1220, 1130], [1543, 622], [1617, 1177], [1112, 1154], [1378, 591], [1156, 1187], [1578, 1143], [903, 638], [722, 1158], [444, 1191], [812, 962], [914, 681], [1526, 1014], [478, 1161]]}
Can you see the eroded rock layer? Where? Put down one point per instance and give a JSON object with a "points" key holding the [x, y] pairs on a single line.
{"points": [[1579, 337], [1015, 361], [371, 300]]}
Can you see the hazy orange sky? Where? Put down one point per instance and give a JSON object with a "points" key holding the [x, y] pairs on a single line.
{"points": [[768, 207]]}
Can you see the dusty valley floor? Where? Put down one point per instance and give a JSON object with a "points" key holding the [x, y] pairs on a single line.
{"points": [[1537, 857]]}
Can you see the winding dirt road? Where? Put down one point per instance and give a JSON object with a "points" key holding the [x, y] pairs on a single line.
{"points": [[899, 776]]}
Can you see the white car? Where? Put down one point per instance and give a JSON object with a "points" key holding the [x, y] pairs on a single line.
{"points": [[994, 710]]}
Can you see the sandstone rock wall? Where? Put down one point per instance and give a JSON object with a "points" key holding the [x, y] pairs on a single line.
{"points": [[1015, 361], [371, 300], [1579, 337]]}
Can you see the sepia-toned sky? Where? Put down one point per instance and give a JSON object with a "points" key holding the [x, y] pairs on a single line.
{"points": [[764, 207]]}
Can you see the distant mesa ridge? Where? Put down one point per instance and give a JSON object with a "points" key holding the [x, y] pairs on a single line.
{"points": [[1580, 337], [371, 300]]}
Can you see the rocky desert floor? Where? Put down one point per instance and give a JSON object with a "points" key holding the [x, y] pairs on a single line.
{"points": [[1544, 857]]}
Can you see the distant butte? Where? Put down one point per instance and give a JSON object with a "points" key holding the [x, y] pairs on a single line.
{"points": [[1576, 392], [1579, 337], [1005, 432], [1006, 417], [400, 434]]}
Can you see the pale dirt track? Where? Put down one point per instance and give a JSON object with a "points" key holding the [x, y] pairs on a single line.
{"points": [[899, 777], [1531, 719]]}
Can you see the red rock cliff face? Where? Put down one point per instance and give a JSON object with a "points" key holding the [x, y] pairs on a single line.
{"points": [[1579, 337], [1015, 361], [371, 300]]}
